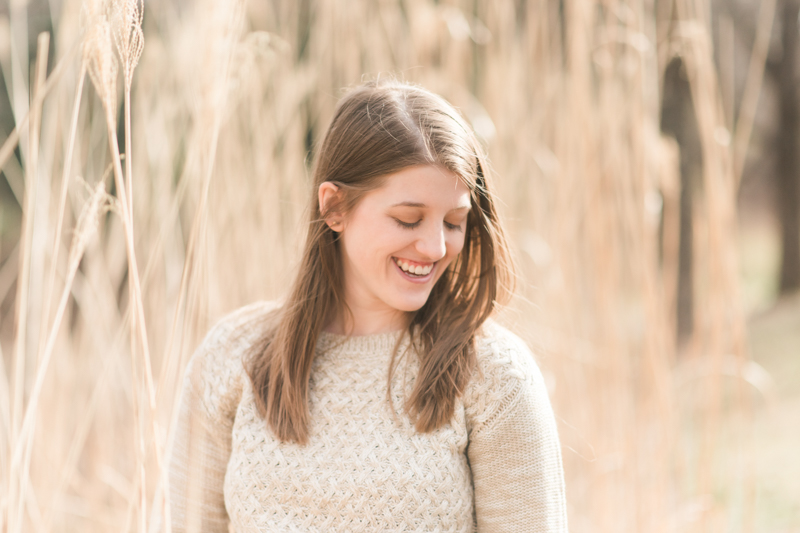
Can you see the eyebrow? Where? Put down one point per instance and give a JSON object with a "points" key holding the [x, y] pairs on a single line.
{"points": [[421, 205]]}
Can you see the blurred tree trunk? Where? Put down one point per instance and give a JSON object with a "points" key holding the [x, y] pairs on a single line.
{"points": [[783, 71], [678, 120], [788, 175]]}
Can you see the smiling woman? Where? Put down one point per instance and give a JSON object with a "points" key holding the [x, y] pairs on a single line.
{"points": [[395, 244], [379, 395]]}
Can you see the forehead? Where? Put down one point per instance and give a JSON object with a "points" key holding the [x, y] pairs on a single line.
{"points": [[424, 186]]}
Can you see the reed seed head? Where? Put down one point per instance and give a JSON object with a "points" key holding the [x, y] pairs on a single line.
{"points": [[128, 36], [98, 55]]}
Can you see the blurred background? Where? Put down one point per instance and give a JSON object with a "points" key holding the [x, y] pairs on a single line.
{"points": [[155, 173]]}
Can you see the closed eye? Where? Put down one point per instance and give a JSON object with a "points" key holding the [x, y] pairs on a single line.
{"points": [[407, 225], [411, 225]]}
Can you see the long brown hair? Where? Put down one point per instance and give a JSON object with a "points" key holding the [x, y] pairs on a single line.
{"points": [[380, 128]]}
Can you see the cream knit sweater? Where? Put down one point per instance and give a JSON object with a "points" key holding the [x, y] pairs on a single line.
{"points": [[496, 467]]}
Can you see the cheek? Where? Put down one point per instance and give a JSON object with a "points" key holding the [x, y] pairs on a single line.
{"points": [[455, 243], [372, 241]]}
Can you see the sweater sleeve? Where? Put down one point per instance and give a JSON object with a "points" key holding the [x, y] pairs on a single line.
{"points": [[211, 392], [513, 450]]}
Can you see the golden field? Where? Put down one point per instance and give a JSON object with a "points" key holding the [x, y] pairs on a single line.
{"points": [[158, 179]]}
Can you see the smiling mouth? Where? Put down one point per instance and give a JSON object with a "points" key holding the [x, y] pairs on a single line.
{"points": [[413, 269]]}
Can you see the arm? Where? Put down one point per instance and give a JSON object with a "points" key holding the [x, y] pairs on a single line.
{"points": [[198, 461], [514, 451], [211, 392]]}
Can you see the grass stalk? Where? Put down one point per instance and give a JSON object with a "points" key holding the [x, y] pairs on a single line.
{"points": [[752, 87], [17, 479], [73, 128], [7, 150], [86, 226]]}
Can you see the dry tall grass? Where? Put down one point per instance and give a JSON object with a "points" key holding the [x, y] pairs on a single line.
{"points": [[123, 261]]}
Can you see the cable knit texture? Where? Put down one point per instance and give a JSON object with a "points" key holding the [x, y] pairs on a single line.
{"points": [[496, 467]]}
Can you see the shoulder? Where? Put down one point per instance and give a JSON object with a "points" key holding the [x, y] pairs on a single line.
{"points": [[231, 337], [506, 369], [502, 355], [239, 326], [215, 374]]}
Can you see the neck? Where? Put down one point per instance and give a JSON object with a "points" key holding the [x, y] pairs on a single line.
{"points": [[359, 321]]}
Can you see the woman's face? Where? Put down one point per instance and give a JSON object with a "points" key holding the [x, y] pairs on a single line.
{"points": [[399, 239]]}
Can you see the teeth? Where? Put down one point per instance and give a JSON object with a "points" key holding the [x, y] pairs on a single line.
{"points": [[417, 270]]}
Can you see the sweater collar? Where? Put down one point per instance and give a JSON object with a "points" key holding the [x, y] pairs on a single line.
{"points": [[378, 344]]}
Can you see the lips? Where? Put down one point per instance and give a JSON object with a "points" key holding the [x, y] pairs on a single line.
{"points": [[414, 269]]}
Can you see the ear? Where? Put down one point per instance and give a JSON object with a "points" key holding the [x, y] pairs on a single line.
{"points": [[329, 196]]}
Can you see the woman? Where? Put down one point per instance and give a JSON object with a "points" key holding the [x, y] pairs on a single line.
{"points": [[377, 397]]}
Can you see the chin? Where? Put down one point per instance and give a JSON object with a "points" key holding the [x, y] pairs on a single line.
{"points": [[409, 305]]}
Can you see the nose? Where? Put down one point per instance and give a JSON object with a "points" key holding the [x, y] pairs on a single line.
{"points": [[431, 243]]}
